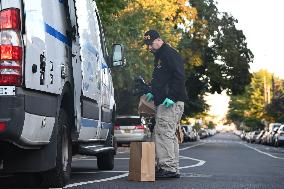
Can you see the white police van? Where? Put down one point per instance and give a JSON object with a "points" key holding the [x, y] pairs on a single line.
{"points": [[56, 91]]}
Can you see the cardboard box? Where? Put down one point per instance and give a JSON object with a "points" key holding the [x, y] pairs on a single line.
{"points": [[145, 108], [142, 161]]}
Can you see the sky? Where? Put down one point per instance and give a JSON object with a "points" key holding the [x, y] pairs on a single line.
{"points": [[262, 24]]}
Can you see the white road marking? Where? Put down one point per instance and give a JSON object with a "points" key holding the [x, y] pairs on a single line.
{"points": [[195, 175], [262, 152], [94, 172], [181, 149], [200, 163], [96, 181], [95, 159]]}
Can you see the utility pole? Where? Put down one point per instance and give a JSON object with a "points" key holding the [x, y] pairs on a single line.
{"points": [[273, 86], [264, 90], [268, 94]]}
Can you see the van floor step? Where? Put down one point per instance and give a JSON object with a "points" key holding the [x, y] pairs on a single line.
{"points": [[93, 150]]}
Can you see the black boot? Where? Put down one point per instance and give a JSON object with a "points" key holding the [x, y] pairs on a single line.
{"points": [[166, 174]]}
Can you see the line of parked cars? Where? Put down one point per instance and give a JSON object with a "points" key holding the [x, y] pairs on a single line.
{"points": [[129, 128], [190, 134], [273, 135]]}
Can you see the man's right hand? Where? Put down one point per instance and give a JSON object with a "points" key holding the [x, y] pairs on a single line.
{"points": [[149, 97]]}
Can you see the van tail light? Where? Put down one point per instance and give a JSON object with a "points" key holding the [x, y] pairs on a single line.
{"points": [[2, 127], [10, 19], [139, 127], [116, 127], [10, 47]]}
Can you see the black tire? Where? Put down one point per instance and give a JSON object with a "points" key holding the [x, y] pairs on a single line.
{"points": [[60, 174], [105, 161], [111, 141]]}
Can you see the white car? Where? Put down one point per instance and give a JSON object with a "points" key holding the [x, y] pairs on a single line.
{"points": [[279, 136], [190, 133], [130, 128]]}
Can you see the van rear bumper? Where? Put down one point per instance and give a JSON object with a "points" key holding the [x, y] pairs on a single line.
{"points": [[16, 155], [13, 109], [12, 113]]}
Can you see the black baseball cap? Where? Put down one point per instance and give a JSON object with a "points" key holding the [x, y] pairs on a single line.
{"points": [[150, 36]]}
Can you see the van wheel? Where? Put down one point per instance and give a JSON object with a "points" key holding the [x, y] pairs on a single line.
{"points": [[60, 174], [105, 160], [111, 141]]}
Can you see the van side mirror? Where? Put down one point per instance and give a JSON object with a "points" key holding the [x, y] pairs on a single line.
{"points": [[118, 59]]}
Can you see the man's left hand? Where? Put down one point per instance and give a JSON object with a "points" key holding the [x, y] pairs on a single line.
{"points": [[168, 102]]}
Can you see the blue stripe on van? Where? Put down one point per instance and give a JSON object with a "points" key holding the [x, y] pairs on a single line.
{"points": [[89, 123], [106, 125], [104, 65], [53, 32], [61, 1]]}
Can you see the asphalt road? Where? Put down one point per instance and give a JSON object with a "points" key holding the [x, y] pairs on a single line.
{"points": [[221, 161]]}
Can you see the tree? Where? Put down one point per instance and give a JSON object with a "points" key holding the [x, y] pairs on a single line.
{"points": [[276, 109], [250, 106], [238, 106], [127, 23], [216, 54]]}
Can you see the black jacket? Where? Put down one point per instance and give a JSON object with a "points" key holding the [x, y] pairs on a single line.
{"points": [[168, 80]]}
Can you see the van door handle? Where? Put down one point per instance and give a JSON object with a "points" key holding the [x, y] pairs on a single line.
{"points": [[63, 71]]}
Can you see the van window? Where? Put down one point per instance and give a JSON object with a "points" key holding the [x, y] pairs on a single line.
{"points": [[88, 25], [128, 121], [102, 37], [90, 48]]}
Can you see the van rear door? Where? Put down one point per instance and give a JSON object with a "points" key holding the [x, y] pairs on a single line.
{"points": [[89, 38]]}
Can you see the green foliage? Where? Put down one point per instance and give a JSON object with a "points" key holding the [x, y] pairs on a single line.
{"points": [[125, 22], [211, 125], [251, 108], [253, 123], [215, 52], [237, 108], [276, 109], [197, 126]]}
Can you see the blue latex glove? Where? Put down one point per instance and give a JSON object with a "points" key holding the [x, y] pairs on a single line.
{"points": [[149, 97], [168, 102]]}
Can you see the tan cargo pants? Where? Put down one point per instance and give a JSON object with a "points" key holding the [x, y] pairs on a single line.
{"points": [[166, 142]]}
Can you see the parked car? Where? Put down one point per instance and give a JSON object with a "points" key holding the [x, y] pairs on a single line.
{"points": [[271, 136], [259, 136], [247, 136], [252, 136], [279, 137], [268, 135], [272, 126], [130, 128], [212, 132], [243, 135], [190, 134], [202, 134], [264, 137]]}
